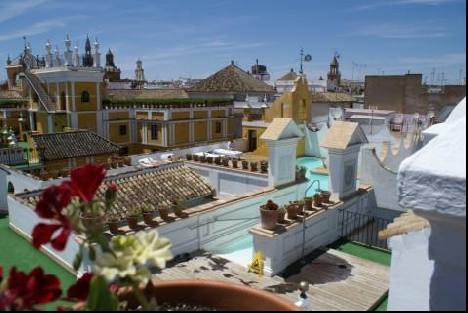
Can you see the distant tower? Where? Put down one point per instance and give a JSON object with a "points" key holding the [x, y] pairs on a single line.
{"points": [[334, 75], [112, 72], [88, 57], [97, 54], [49, 56], [260, 72], [57, 60], [76, 56], [139, 71], [68, 54]]}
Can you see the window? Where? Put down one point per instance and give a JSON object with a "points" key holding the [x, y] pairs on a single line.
{"points": [[123, 130], [85, 97], [154, 132], [218, 127]]}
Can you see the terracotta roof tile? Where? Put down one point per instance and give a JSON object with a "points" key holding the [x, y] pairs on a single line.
{"points": [[131, 94], [232, 79], [344, 134], [331, 97], [73, 144]]}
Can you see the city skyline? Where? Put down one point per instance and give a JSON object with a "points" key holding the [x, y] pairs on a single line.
{"points": [[372, 37]]}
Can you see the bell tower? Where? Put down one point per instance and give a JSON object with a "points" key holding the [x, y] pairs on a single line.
{"points": [[334, 74]]}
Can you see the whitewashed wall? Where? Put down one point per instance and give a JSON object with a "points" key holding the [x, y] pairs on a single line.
{"points": [[410, 288]]}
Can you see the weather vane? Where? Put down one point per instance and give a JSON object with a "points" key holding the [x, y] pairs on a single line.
{"points": [[305, 58]]}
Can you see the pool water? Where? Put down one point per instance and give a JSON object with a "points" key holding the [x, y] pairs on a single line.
{"points": [[240, 250], [313, 163]]}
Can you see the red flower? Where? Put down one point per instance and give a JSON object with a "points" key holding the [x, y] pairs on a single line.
{"points": [[86, 180], [80, 290], [53, 200], [24, 291]]}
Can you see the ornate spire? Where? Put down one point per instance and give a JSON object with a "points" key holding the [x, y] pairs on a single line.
{"points": [[88, 57]]}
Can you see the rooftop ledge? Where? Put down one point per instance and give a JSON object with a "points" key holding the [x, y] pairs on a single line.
{"points": [[434, 178]]}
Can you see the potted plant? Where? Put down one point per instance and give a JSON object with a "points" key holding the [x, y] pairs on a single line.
{"points": [[179, 205], [264, 166], [133, 215], [292, 209], [282, 214], [196, 157], [300, 207], [121, 277], [301, 172], [253, 166], [235, 163], [325, 196], [163, 213], [317, 200], [245, 164], [189, 157], [113, 221], [308, 202], [148, 214], [217, 160], [226, 162], [269, 215], [203, 159], [210, 160]]}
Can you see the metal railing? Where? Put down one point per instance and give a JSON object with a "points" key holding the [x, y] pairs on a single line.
{"points": [[363, 228]]}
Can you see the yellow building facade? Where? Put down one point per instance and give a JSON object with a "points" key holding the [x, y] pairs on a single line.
{"points": [[295, 104]]}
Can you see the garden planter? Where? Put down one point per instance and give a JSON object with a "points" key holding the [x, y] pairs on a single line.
{"points": [[196, 158], [218, 161], [325, 196], [235, 163], [148, 218], [203, 159], [269, 218], [282, 216], [292, 211], [216, 295], [226, 162], [132, 222], [189, 157], [164, 214], [93, 223], [245, 165], [113, 227], [254, 166], [264, 167], [308, 202], [318, 200], [210, 160]]}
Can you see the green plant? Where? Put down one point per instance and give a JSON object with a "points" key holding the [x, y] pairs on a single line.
{"points": [[113, 218], [270, 206], [133, 212], [147, 209]]}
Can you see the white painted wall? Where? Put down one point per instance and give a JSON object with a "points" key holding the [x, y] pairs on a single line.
{"points": [[410, 288]]}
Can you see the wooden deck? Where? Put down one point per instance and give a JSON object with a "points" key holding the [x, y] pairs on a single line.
{"points": [[339, 281]]}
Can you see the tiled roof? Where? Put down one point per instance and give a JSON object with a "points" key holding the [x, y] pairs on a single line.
{"points": [[232, 79], [290, 76], [73, 144], [131, 94], [404, 224], [158, 186], [344, 134], [331, 97]]}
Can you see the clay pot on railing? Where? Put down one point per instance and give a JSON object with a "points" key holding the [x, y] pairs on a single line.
{"points": [[225, 162], [253, 166], [196, 157], [292, 210], [269, 218], [113, 223], [218, 161], [189, 157], [308, 202], [148, 217], [282, 215], [164, 213], [317, 200], [245, 165], [264, 167], [203, 159], [132, 218], [93, 223], [235, 163], [325, 196], [210, 160]]}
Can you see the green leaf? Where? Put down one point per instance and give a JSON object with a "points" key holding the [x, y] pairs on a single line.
{"points": [[100, 297], [78, 260]]}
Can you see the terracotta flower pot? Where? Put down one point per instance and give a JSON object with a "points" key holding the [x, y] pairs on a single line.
{"points": [[325, 196], [196, 158], [93, 223], [269, 218], [148, 218], [113, 227], [317, 200], [308, 202], [189, 157], [217, 295], [132, 222], [164, 213], [210, 160], [235, 163], [245, 165], [292, 211]]}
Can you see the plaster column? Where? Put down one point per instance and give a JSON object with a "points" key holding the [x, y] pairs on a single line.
{"points": [[282, 161], [73, 96], [165, 135]]}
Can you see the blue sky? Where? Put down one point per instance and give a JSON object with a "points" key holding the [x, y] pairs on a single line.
{"points": [[190, 38]]}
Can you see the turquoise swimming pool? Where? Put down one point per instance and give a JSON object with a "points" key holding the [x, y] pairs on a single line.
{"points": [[240, 250], [312, 163]]}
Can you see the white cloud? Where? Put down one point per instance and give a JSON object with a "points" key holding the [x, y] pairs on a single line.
{"points": [[12, 9], [39, 28], [383, 3]]}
